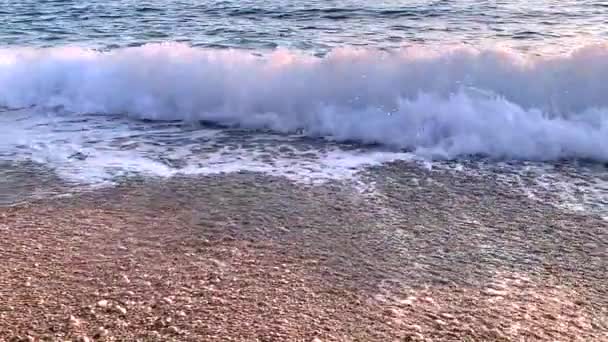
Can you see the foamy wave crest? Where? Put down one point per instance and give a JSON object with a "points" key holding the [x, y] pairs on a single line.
{"points": [[445, 103]]}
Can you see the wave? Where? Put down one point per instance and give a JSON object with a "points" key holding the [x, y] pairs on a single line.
{"points": [[445, 102]]}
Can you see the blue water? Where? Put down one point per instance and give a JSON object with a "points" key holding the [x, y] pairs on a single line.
{"points": [[309, 25]]}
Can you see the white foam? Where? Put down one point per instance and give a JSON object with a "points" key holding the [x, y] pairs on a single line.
{"points": [[444, 103], [97, 151]]}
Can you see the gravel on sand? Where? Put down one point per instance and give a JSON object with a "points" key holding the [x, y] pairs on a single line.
{"points": [[247, 257]]}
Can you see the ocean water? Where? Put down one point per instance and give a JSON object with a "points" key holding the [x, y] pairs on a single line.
{"points": [[315, 91]]}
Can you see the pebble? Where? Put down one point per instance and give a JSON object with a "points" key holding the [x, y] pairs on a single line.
{"points": [[173, 329], [154, 334], [494, 293], [415, 327], [551, 316], [103, 303], [440, 322], [595, 325], [316, 339], [447, 315], [101, 332], [74, 322], [392, 312], [84, 339], [168, 300], [417, 336], [218, 263], [408, 301], [120, 309], [428, 300]]}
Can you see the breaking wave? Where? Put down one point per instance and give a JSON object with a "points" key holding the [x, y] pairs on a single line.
{"points": [[439, 102]]}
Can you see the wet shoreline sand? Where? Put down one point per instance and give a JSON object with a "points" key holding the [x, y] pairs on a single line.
{"points": [[245, 257]]}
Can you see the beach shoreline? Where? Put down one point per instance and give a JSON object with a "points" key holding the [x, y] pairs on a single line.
{"points": [[249, 257]]}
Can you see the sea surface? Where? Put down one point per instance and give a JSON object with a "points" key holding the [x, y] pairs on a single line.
{"points": [[96, 92]]}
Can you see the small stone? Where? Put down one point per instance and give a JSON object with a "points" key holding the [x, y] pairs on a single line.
{"points": [[129, 293], [415, 327], [440, 322], [416, 336], [168, 300], [102, 332], [408, 301], [154, 334], [74, 322], [159, 322], [550, 316], [126, 279], [316, 339], [181, 314], [447, 315], [83, 339], [103, 303], [120, 309], [392, 312], [428, 300], [494, 293], [173, 329], [218, 263], [121, 323]]}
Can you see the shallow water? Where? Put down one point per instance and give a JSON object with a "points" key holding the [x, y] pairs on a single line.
{"points": [[317, 92]]}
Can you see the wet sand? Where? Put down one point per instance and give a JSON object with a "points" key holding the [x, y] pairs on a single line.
{"points": [[424, 256]]}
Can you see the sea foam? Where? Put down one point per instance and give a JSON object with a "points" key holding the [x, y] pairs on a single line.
{"points": [[436, 102]]}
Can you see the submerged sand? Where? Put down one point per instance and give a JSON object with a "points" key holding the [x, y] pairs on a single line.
{"points": [[246, 257]]}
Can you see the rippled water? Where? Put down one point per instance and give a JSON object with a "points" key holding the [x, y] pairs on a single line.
{"points": [[316, 25], [315, 91]]}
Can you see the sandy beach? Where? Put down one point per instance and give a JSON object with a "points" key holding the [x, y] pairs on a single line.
{"points": [[247, 257]]}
